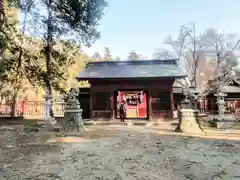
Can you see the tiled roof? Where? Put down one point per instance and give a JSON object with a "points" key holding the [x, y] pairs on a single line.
{"points": [[131, 69], [180, 90], [231, 89]]}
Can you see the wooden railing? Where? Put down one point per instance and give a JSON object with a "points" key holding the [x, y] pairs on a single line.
{"points": [[31, 109], [231, 107], [161, 114], [104, 114], [6, 109], [37, 109]]}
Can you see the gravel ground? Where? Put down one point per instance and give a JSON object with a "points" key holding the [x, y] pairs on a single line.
{"points": [[115, 153]]}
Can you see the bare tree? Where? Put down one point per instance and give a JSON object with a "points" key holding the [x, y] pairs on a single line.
{"points": [[237, 71], [189, 48], [195, 49], [163, 54], [222, 47]]}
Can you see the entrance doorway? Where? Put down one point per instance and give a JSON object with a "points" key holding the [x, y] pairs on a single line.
{"points": [[84, 99], [136, 103]]}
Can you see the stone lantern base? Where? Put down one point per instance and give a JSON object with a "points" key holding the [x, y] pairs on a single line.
{"points": [[188, 122]]}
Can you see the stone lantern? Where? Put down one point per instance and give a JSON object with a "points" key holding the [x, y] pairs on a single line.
{"points": [[186, 103], [220, 102], [188, 122], [73, 111], [201, 103]]}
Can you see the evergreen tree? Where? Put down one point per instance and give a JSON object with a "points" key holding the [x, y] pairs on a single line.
{"points": [[96, 57], [117, 59], [107, 54], [61, 19], [66, 17], [133, 56]]}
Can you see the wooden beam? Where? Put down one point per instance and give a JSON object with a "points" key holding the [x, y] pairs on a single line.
{"points": [[149, 105]]}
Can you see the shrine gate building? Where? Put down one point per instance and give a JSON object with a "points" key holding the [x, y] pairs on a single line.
{"points": [[145, 85]]}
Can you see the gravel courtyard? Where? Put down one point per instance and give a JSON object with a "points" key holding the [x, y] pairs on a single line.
{"points": [[115, 153]]}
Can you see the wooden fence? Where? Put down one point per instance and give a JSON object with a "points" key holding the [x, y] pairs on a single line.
{"points": [[30, 109]]}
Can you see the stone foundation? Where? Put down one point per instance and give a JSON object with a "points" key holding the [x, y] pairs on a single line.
{"points": [[188, 123]]}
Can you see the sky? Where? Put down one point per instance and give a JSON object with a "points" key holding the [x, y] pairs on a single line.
{"points": [[142, 25]]}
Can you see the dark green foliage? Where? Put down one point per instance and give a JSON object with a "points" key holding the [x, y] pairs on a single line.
{"points": [[44, 62], [81, 17], [76, 22], [77, 19], [14, 3]]}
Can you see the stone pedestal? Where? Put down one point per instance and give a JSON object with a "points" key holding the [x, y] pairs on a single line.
{"points": [[188, 122], [225, 122], [73, 113]]}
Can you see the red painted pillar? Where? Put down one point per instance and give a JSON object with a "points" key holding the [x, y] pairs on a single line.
{"points": [[172, 101], [22, 108], [112, 105], [205, 104], [149, 105]]}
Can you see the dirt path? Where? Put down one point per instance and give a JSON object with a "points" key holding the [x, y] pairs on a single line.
{"points": [[115, 153]]}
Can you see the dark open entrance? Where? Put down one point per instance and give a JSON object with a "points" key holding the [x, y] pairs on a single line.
{"points": [[84, 99], [165, 100], [135, 108]]}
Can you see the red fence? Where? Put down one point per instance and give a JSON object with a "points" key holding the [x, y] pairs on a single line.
{"points": [[30, 109], [231, 106]]}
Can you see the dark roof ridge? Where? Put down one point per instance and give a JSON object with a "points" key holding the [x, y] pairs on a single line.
{"points": [[134, 62]]}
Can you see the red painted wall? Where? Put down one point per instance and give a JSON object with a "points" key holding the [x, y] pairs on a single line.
{"points": [[140, 108]]}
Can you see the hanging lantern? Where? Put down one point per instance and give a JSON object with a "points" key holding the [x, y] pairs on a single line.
{"points": [[141, 97]]}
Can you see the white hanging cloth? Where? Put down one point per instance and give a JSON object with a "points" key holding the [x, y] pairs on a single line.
{"points": [[141, 97], [124, 97]]}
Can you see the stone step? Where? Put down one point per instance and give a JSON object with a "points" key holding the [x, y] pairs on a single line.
{"points": [[228, 131], [136, 123]]}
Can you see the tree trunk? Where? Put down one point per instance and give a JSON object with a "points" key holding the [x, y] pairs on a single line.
{"points": [[48, 79], [19, 77], [17, 84], [49, 98], [13, 104], [178, 128], [48, 50]]}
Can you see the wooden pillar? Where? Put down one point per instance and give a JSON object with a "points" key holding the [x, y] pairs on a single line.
{"points": [[212, 105], [172, 102], [112, 105], [91, 103], [205, 104], [149, 105]]}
